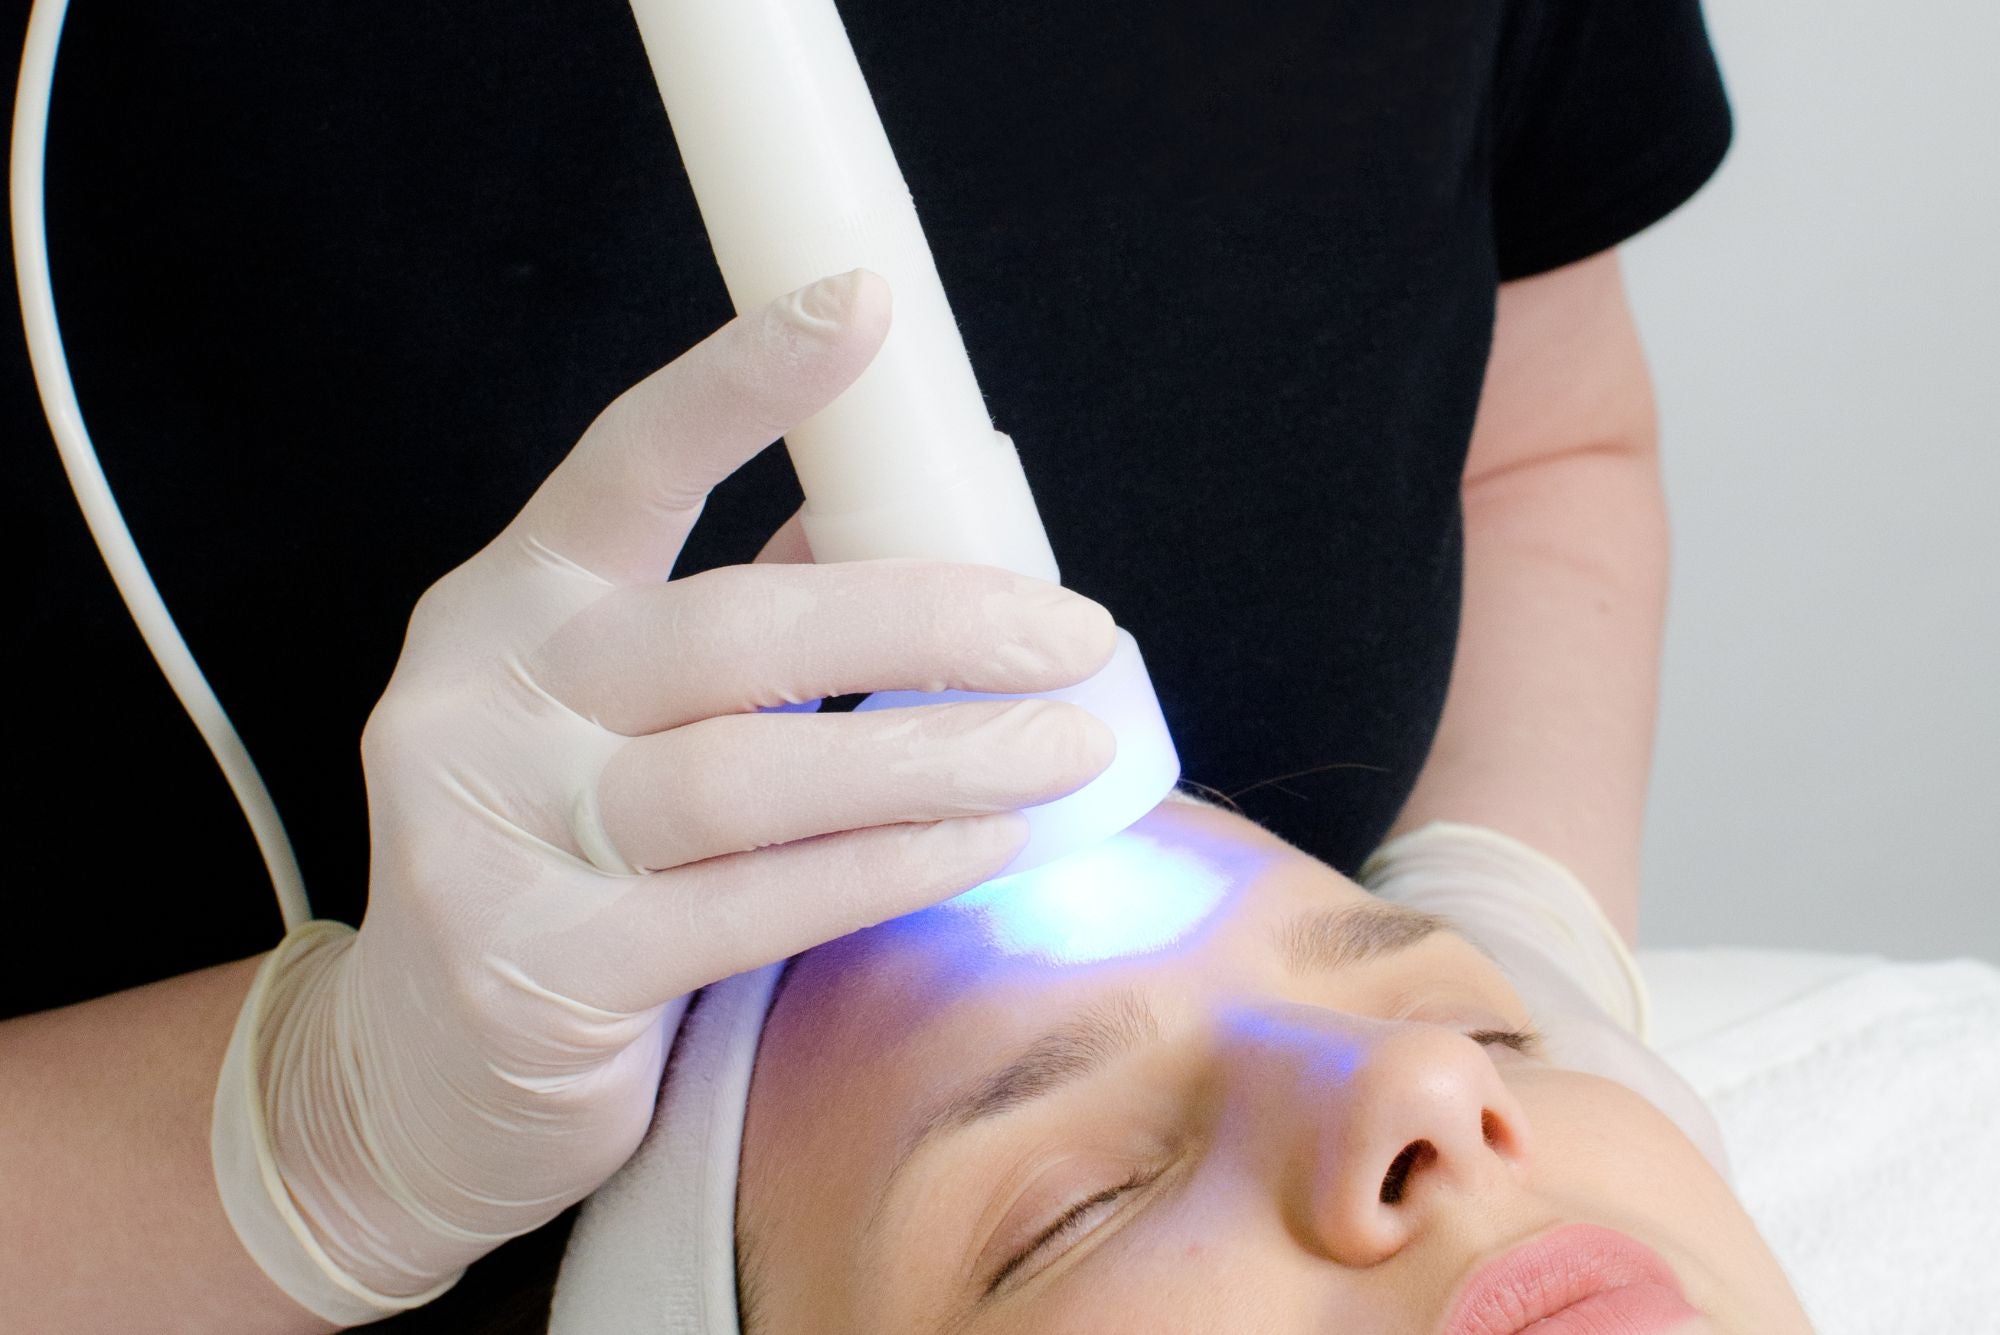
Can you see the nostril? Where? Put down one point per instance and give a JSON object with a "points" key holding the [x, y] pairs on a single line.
{"points": [[1414, 1156]]}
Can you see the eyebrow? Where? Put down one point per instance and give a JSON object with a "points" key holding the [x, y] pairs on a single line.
{"points": [[1317, 941], [1071, 1051], [1328, 940]]}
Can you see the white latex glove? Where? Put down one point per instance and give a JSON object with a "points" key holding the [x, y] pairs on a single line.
{"points": [[578, 816], [1546, 930]]}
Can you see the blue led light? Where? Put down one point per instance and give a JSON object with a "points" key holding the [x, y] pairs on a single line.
{"points": [[1128, 895], [1330, 1048]]}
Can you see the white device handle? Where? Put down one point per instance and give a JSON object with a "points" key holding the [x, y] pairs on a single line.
{"points": [[795, 179]]}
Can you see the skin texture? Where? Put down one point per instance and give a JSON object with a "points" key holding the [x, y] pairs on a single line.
{"points": [[109, 1217], [1265, 1121], [1547, 729]]}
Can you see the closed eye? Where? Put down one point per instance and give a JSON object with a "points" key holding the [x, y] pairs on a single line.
{"points": [[1071, 1224], [1085, 1214]]}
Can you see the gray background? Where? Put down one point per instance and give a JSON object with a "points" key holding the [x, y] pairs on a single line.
{"points": [[1824, 327]]}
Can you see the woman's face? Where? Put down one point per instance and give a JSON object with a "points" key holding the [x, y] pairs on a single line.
{"points": [[1302, 1116]]}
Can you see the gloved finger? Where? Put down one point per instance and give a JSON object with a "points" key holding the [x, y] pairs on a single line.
{"points": [[788, 546], [621, 504], [741, 638], [670, 932], [747, 781]]}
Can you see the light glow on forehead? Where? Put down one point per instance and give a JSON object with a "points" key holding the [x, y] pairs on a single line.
{"points": [[1131, 894]]}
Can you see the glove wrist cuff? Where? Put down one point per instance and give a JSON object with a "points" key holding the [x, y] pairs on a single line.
{"points": [[1455, 858], [267, 1220]]}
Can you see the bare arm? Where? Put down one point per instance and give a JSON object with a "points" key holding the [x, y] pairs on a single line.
{"points": [[1547, 731], [109, 1218]]}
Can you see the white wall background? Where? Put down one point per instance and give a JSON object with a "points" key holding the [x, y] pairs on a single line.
{"points": [[1824, 327]]}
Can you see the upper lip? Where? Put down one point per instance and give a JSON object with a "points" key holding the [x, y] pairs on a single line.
{"points": [[1547, 1273]]}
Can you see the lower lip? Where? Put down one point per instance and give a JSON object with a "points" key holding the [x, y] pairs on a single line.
{"points": [[1637, 1309]]}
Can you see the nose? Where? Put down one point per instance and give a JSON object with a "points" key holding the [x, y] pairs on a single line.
{"points": [[1369, 1131]]}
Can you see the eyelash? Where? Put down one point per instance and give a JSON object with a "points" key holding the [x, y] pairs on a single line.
{"points": [[1520, 1040], [1068, 1222], [1527, 1041]]}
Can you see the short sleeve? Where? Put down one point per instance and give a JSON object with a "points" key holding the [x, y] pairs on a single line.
{"points": [[1610, 115]]}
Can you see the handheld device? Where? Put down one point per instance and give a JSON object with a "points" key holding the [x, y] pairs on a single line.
{"points": [[795, 179]]}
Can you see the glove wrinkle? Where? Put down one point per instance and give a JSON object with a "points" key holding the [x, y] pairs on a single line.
{"points": [[487, 1049]]}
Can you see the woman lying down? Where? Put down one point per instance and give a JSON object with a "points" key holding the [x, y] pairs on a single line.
{"points": [[1191, 1081]]}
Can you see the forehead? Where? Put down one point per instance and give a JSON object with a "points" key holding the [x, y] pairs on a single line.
{"points": [[1182, 882], [865, 1025]]}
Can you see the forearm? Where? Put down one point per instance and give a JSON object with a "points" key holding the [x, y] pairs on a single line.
{"points": [[109, 1216], [1548, 723]]}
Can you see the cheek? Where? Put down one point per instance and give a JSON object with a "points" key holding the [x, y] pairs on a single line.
{"points": [[1604, 1154], [1192, 1278]]}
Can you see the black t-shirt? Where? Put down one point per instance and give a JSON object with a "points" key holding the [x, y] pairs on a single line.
{"points": [[341, 284]]}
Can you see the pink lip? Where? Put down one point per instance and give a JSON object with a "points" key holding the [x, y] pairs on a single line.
{"points": [[1576, 1280]]}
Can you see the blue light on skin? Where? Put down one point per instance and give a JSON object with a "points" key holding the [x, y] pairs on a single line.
{"points": [[1323, 1050], [1131, 894]]}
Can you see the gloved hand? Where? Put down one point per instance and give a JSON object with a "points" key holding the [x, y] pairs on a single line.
{"points": [[1520, 904], [578, 817], [1548, 933]]}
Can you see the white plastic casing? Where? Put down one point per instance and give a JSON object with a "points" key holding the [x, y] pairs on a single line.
{"points": [[795, 180]]}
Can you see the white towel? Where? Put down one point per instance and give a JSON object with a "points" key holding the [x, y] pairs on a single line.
{"points": [[1862, 1119]]}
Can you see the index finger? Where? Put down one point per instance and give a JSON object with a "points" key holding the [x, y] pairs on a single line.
{"points": [[621, 504]]}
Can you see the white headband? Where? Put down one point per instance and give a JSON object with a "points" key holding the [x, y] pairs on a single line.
{"points": [[654, 1249]]}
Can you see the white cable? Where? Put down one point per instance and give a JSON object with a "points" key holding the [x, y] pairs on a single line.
{"points": [[86, 476]]}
